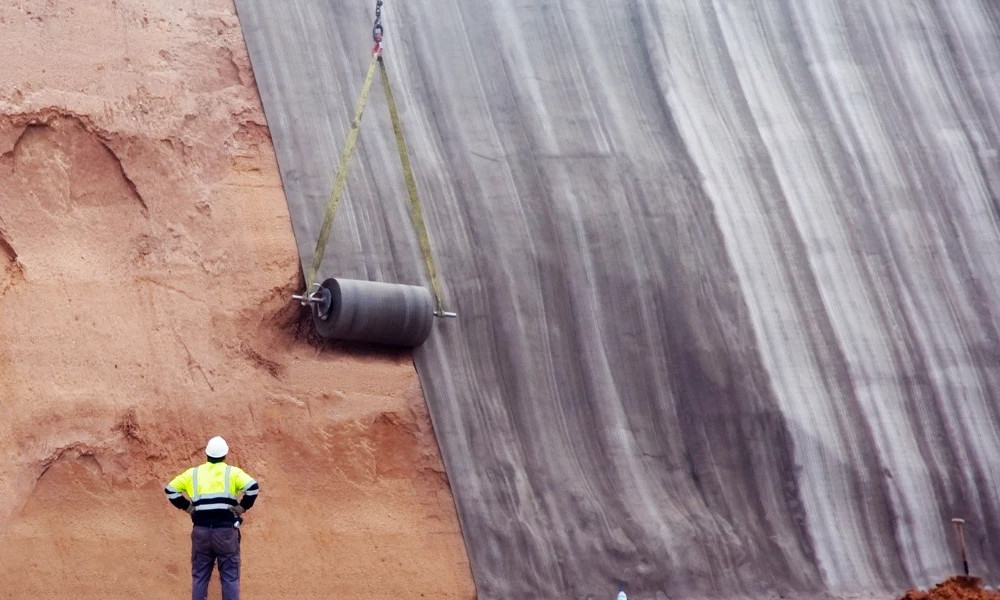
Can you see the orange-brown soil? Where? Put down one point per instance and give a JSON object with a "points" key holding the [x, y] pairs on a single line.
{"points": [[146, 260], [956, 588]]}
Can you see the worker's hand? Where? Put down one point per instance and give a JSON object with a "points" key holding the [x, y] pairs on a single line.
{"points": [[238, 511], [190, 509]]}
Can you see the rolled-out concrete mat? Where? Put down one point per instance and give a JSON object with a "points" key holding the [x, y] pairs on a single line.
{"points": [[727, 273], [380, 313]]}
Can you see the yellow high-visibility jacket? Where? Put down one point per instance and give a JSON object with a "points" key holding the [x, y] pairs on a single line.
{"points": [[213, 489]]}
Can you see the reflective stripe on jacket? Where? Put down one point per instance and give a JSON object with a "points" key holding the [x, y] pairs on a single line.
{"points": [[213, 488]]}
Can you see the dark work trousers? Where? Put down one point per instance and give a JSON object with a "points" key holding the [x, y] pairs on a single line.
{"points": [[209, 544]]}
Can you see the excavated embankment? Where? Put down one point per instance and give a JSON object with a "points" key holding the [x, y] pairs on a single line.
{"points": [[146, 259]]}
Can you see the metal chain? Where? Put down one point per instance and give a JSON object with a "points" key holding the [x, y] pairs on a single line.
{"points": [[377, 26]]}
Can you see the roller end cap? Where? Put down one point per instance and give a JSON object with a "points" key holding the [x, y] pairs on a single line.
{"points": [[318, 299]]}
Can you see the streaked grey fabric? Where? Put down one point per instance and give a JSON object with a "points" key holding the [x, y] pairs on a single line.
{"points": [[727, 275]]}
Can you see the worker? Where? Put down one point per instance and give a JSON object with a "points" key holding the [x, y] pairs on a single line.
{"points": [[209, 494]]}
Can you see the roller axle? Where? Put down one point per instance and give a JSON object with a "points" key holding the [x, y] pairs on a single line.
{"points": [[319, 297]]}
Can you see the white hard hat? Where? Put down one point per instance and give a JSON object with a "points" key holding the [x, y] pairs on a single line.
{"points": [[217, 447]]}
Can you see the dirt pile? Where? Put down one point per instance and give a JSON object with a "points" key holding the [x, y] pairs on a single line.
{"points": [[956, 588], [146, 258]]}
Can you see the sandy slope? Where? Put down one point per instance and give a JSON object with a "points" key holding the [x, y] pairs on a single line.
{"points": [[145, 259]]}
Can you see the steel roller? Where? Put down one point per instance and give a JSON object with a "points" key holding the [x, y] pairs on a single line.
{"points": [[370, 311]]}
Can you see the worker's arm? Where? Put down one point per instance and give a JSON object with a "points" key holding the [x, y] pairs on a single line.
{"points": [[248, 486], [179, 486]]}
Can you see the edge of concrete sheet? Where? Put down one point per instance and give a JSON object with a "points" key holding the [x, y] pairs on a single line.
{"points": [[723, 272]]}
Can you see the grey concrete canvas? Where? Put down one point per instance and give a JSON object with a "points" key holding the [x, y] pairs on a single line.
{"points": [[727, 274]]}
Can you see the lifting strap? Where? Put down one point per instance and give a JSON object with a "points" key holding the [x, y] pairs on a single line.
{"points": [[338, 185], [416, 211]]}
